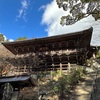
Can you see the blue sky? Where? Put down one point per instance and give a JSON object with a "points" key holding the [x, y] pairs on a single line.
{"points": [[20, 18], [40, 18]]}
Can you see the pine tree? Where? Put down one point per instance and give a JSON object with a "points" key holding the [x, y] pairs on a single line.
{"points": [[78, 9]]}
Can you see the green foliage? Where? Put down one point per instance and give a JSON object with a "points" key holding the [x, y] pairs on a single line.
{"points": [[98, 54], [61, 86], [66, 82], [89, 62], [1, 37], [76, 75], [58, 73], [76, 10], [21, 38], [73, 79], [86, 1], [56, 89], [40, 75]]}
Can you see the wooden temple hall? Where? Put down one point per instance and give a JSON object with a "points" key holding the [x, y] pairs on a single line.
{"points": [[51, 53]]}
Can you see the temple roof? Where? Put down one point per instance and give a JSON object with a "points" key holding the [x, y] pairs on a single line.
{"points": [[14, 46], [17, 80], [4, 52]]}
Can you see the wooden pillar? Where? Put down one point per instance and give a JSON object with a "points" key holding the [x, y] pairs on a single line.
{"points": [[53, 67], [18, 70], [44, 60], [24, 68], [94, 55], [60, 69], [69, 66], [51, 75], [51, 72]]}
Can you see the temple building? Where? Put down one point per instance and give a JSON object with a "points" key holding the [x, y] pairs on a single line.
{"points": [[51, 53]]}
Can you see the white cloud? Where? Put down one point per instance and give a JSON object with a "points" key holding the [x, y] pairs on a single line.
{"points": [[11, 40], [51, 17], [22, 11], [5, 38], [42, 7], [52, 13]]}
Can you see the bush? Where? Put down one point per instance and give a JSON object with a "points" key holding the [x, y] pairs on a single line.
{"points": [[65, 83], [98, 54]]}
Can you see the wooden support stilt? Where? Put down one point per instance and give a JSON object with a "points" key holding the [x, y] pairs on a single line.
{"points": [[60, 69], [94, 56], [51, 73], [69, 66], [24, 68], [51, 76]]}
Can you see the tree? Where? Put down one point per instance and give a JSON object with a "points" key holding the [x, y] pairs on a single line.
{"points": [[1, 37], [4, 66], [7, 91], [78, 9], [21, 38]]}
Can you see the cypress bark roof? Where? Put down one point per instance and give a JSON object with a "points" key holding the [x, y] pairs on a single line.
{"points": [[27, 45], [4, 52]]}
